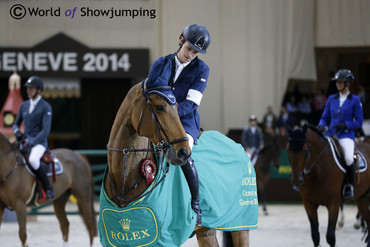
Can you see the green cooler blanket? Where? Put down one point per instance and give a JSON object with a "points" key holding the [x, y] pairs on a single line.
{"points": [[228, 199]]}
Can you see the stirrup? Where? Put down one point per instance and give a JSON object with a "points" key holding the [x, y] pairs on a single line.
{"points": [[348, 191], [49, 194]]}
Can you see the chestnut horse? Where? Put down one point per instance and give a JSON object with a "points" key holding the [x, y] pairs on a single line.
{"points": [[142, 119], [17, 185], [319, 179]]}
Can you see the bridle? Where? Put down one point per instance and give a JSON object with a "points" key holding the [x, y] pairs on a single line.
{"points": [[308, 152], [159, 149], [17, 163]]}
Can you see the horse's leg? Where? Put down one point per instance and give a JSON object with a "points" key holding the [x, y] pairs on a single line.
{"points": [[60, 212], [206, 237], [333, 210], [1, 212], [85, 203], [240, 238], [227, 239], [363, 209], [311, 210], [21, 211], [341, 216]]}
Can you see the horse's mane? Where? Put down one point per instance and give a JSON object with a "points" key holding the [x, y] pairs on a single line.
{"points": [[315, 129], [3, 139]]}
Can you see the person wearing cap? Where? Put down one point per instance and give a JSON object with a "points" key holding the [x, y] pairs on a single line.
{"points": [[186, 76], [252, 139], [341, 117], [36, 114]]}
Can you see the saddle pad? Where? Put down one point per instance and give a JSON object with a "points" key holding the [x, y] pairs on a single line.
{"points": [[362, 164], [47, 168]]}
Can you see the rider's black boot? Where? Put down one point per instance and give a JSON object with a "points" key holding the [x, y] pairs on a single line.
{"points": [[41, 175], [191, 176], [348, 189]]}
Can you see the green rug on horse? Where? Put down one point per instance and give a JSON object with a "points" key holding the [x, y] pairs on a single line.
{"points": [[228, 199]]}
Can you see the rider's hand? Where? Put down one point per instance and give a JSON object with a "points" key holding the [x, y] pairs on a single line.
{"points": [[19, 135], [26, 149], [322, 128], [340, 126]]}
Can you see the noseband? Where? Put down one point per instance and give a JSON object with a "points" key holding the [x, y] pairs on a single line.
{"points": [[159, 149]]}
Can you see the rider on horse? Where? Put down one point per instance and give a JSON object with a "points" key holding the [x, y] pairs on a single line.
{"points": [[36, 115], [187, 76], [343, 114]]}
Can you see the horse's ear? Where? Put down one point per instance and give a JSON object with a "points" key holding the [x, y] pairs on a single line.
{"points": [[304, 128]]}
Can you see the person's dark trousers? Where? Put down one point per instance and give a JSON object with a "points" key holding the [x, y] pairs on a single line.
{"points": [[349, 188], [191, 176], [41, 175]]}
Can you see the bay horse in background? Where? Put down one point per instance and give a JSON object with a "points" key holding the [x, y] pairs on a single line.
{"points": [[145, 118], [17, 185], [320, 181], [270, 153]]}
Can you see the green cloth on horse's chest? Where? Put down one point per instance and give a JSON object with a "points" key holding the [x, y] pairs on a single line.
{"points": [[228, 199], [162, 218]]}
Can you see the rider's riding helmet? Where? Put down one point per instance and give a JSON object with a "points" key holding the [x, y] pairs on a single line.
{"points": [[344, 75], [197, 36], [253, 118], [36, 82]]}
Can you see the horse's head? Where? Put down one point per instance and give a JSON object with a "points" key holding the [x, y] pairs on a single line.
{"points": [[298, 151], [159, 121]]}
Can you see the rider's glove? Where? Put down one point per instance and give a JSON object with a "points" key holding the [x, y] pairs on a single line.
{"points": [[19, 135], [340, 126], [26, 149], [322, 129]]}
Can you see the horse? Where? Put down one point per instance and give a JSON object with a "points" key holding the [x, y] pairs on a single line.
{"points": [[17, 185], [269, 154], [320, 181], [142, 119]]}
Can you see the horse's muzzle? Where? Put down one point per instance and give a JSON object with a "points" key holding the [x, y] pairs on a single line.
{"points": [[178, 157]]}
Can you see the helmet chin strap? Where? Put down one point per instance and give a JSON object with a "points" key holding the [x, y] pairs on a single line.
{"points": [[346, 85], [35, 95]]}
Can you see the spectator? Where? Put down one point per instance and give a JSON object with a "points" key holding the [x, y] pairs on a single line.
{"points": [[361, 93], [291, 105], [269, 121], [304, 106], [286, 119]]}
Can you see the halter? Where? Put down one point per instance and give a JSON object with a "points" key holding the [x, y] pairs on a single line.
{"points": [[160, 149]]}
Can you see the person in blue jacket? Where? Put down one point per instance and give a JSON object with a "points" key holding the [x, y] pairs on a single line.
{"points": [[36, 115], [187, 76], [341, 117]]}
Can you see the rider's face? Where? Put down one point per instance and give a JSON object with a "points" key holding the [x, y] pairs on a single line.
{"points": [[340, 85], [186, 53], [31, 92]]}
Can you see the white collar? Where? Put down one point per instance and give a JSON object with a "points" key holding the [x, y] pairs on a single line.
{"points": [[344, 95], [178, 63], [34, 102]]}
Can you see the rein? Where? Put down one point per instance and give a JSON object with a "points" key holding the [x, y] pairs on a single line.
{"points": [[3, 180], [160, 149]]}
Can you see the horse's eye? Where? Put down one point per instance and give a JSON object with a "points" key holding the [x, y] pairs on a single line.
{"points": [[159, 108]]}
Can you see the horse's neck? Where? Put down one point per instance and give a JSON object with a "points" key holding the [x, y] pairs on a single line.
{"points": [[124, 136]]}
